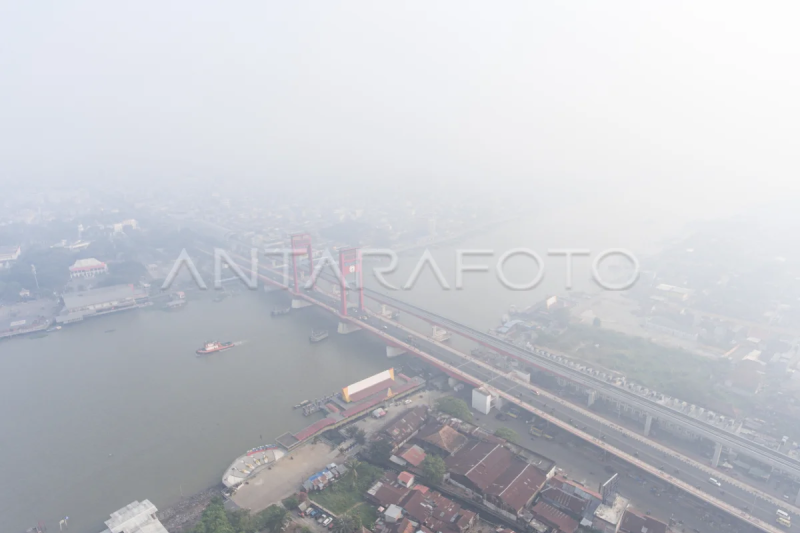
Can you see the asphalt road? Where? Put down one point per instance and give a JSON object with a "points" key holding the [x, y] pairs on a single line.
{"points": [[733, 495], [703, 514]]}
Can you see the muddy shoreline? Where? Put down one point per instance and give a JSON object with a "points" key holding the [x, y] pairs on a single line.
{"points": [[182, 516]]}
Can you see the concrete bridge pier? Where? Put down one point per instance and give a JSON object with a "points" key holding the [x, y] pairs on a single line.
{"points": [[648, 422], [346, 327], [394, 351], [298, 303], [717, 454], [592, 398]]}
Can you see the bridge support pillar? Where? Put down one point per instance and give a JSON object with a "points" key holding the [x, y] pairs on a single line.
{"points": [[346, 327], [394, 351], [592, 398], [648, 421], [717, 454], [297, 303]]}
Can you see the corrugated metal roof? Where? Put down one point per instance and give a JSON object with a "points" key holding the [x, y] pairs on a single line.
{"points": [[77, 300]]}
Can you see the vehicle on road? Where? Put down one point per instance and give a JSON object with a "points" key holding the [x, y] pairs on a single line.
{"points": [[714, 482]]}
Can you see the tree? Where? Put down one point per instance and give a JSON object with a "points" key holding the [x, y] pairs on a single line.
{"points": [[291, 502], [351, 431], [241, 521], [344, 524], [433, 469], [354, 472], [506, 433], [454, 407], [360, 436], [380, 451], [274, 518], [348, 523], [214, 519]]}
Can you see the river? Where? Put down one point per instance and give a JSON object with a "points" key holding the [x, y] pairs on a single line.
{"points": [[93, 419]]}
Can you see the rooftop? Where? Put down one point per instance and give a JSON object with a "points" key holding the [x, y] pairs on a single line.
{"points": [[437, 512], [86, 264], [7, 253], [443, 437], [136, 517], [612, 514], [553, 516], [517, 486], [414, 455], [405, 478], [402, 427], [635, 523]]}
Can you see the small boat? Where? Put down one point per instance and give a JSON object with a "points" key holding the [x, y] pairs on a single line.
{"points": [[318, 336], [54, 328], [302, 404], [214, 346], [281, 311]]}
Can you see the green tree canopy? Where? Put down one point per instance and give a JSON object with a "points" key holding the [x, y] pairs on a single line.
{"points": [[360, 436], [380, 451], [214, 519], [291, 502], [346, 524], [433, 469], [274, 519], [455, 407], [506, 433]]}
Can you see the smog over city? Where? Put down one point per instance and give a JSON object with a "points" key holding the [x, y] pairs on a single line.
{"points": [[362, 267]]}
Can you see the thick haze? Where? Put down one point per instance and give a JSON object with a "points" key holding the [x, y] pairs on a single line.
{"points": [[682, 104]]}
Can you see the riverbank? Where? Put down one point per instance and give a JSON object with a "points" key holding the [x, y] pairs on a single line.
{"points": [[182, 516]]}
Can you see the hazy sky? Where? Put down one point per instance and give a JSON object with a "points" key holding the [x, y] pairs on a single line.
{"points": [[667, 101]]}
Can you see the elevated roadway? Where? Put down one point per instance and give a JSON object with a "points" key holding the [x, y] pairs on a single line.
{"points": [[329, 303], [697, 427]]}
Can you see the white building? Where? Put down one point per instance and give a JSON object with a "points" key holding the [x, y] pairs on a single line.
{"points": [[130, 223], [481, 400], [9, 254], [135, 517], [87, 268]]}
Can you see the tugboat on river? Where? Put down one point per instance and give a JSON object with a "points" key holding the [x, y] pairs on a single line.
{"points": [[281, 311], [214, 346]]}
